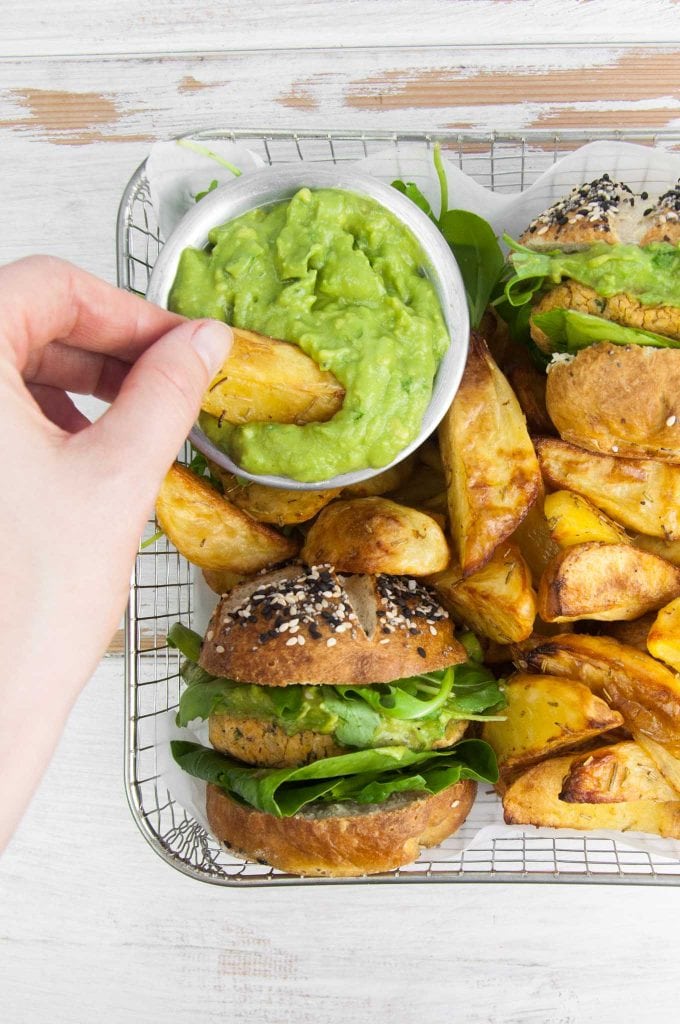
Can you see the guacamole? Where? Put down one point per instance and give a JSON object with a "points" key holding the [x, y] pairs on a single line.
{"points": [[343, 278], [651, 273]]}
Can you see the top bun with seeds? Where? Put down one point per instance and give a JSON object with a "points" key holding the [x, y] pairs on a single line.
{"points": [[601, 210], [300, 625]]}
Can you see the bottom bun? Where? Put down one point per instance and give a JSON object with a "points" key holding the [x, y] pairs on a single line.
{"points": [[342, 840]]}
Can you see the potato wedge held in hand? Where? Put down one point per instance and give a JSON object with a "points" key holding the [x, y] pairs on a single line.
{"points": [[575, 520], [492, 474], [497, 601], [534, 799], [614, 775], [372, 535], [663, 640], [645, 692], [546, 714], [605, 582], [211, 532], [638, 493], [265, 380]]}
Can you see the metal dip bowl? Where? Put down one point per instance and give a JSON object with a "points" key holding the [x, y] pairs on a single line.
{"points": [[276, 184]]}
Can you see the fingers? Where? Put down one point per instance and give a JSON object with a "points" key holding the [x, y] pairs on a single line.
{"points": [[59, 408], [76, 370], [140, 435], [43, 298]]}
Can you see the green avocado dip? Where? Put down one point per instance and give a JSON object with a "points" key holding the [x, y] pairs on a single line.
{"points": [[342, 277], [651, 273]]}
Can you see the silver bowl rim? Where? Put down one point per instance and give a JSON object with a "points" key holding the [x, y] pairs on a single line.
{"points": [[275, 184]]}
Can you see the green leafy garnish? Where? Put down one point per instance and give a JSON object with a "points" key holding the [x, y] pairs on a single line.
{"points": [[470, 238], [196, 147], [363, 776], [570, 330], [414, 712], [211, 188]]}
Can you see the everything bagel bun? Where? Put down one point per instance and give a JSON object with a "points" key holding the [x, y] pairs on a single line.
{"points": [[311, 625], [341, 840]]}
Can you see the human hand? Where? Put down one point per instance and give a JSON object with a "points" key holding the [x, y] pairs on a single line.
{"points": [[77, 495]]}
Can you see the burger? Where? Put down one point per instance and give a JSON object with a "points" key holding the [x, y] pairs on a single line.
{"points": [[337, 708], [594, 282]]}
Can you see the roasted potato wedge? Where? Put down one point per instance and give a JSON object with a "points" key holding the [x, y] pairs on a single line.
{"points": [[546, 714], [492, 474], [534, 799], [211, 532], [575, 520], [498, 601], [633, 633], [424, 483], [616, 774], [221, 581], [532, 536], [275, 505], [668, 765], [605, 582], [389, 480], [668, 549], [268, 380], [529, 385], [375, 535], [637, 418], [645, 692], [638, 493], [663, 640]]}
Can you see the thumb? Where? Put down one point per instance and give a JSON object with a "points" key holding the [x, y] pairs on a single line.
{"points": [[159, 401]]}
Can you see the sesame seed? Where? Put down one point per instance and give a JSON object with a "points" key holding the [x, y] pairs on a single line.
{"points": [[209, 635], [331, 642], [220, 649], [291, 641], [670, 422], [615, 448]]}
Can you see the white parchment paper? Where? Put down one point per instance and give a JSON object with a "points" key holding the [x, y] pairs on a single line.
{"points": [[176, 173]]}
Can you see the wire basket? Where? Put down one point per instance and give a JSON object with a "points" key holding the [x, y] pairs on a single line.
{"points": [[161, 590]]}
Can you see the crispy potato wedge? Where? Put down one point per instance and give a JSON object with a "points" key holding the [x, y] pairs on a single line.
{"points": [[668, 549], [663, 640], [529, 384], [492, 474], [546, 714], [211, 532], [389, 480], [575, 520], [638, 493], [275, 505], [637, 418], [633, 633], [425, 482], [615, 774], [498, 601], [532, 536], [375, 535], [534, 799], [605, 582], [668, 765], [645, 692], [268, 380], [221, 581]]}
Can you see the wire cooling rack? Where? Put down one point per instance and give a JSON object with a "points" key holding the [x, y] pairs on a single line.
{"points": [[161, 590]]}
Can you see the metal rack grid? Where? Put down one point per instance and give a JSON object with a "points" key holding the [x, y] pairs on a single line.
{"points": [[161, 585]]}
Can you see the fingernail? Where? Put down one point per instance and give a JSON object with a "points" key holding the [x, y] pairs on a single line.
{"points": [[212, 341]]}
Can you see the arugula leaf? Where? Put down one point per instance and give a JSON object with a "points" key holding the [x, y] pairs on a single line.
{"points": [[363, 776], [185, 640], [478, 254], [412, 192], [211, 188], [471, 239], [570, 330]]}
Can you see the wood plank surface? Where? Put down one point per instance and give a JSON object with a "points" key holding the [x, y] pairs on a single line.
{"points": [[167, 26]]}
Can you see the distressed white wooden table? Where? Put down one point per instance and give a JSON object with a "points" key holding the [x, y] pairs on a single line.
{"points": [[92, 924]]}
